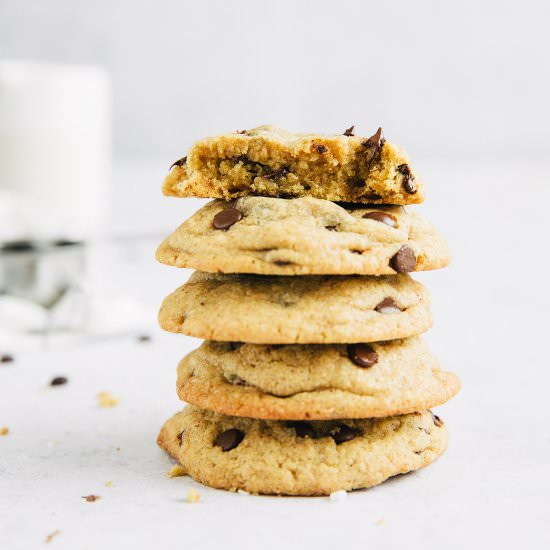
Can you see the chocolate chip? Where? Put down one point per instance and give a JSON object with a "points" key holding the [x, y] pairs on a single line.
{"points": [[344, 433], [404, 260], [331, 227], [18, 246], [179, 162], [349, 131], [226, 218], [373, 144], [388, 305], [383, 217], [408, 181], [437, 421], [180, 438], [229, 439], [302, 429], [58, 381], [277, 174], [362, 355], [6, 358], [320, 148]]}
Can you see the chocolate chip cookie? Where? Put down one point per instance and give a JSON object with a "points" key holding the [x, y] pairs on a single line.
{"points": [[304, 237], [300, 458], [297, 310], [271, 162], [304, 382]]}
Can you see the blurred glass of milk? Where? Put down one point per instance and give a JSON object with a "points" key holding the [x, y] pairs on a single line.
{"points": [[55, 150]]}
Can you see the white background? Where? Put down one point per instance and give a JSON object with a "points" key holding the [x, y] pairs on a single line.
{"points": [[464, 87]]}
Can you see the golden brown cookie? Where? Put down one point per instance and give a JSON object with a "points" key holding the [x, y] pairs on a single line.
{"points": [[297, 310], [304, 237], [300, 458], [268, 161], [314, 382]]}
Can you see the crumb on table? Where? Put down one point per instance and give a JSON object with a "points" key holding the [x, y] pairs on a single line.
{"points": [[4, 430], [193, 496], [108, 484], [176, 471], [106, 399], [91, 498], [51, 536]]}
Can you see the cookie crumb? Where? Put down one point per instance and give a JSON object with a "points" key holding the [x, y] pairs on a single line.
{"points": [[51, 536], [6, 358], [338, 496], [106, 399], [91, 498], [4, 430], [381, 521], [108, 484], [193, 496], [176, 471]]}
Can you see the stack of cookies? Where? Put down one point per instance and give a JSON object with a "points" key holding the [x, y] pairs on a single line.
{"points": [[313, 377]]}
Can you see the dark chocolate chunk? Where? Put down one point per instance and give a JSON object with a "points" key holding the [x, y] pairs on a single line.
{"points": [[437, 421], [320, 148], [6, 358], [344, 433], [408, 181], [229, 439], [58, 381], [349, 131], [388, 305], [404, 260], [373, 144], [302, 429], [362, 355], [226, 218], [179, 162], [18, 246], [382, 217]]}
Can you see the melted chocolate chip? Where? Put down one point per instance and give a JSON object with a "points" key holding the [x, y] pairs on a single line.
{"points": [[349, 131], [226, 218], [179, 162], [344, 433], [388, 305], [373, 144], [229, 439], [404, 260], [382, 217], [302, 429], [362, 355], [277, 174], [320, 148], [437, 421], [6, 358], [408, 181], [58, 381]]}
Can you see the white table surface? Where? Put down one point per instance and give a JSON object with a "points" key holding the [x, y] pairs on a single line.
{"points": [[490, 490]]}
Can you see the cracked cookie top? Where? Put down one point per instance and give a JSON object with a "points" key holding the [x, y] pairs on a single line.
{"points": [[304, 236], [297, 310], [303, 382]]}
